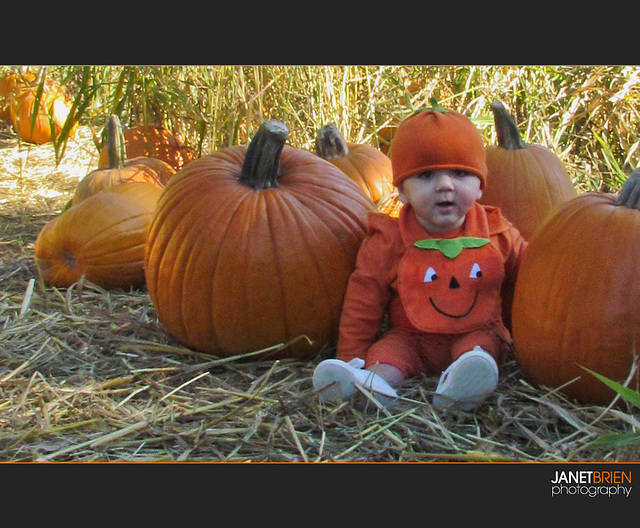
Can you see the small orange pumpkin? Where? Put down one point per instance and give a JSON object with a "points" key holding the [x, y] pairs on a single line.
{"points": [[526, 181], [141, 169], [153, 142], [364, 164], [385, 137], [51, 113], [577, 299], [102, 238], [253, 246]]}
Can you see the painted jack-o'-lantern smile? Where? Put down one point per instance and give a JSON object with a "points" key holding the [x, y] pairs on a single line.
{"points": [[431, 276], [453, 287]]}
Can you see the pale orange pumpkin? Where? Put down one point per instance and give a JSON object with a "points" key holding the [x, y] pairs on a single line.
{"points": [[364, 164], [141, 169], [50, 114], [102, 238], [153, 142], [526, 181]]}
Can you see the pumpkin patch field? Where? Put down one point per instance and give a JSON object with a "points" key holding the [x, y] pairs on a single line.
{"points": [[173, 306]]}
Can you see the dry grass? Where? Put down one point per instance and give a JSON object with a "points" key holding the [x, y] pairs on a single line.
{"points": [[90, 375]]}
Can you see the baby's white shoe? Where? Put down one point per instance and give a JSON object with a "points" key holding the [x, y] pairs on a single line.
{"points": [[467, 382], [336, 380]]}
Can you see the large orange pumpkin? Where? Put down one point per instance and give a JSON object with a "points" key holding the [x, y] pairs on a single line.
{"points": [[141, 169], [577, 298], [526, 181], [51, 113], [102, 238], [364, 164], [153, 142], [253, 246]]}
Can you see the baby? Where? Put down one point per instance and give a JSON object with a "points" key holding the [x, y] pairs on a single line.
{"points": [[436, 272]]}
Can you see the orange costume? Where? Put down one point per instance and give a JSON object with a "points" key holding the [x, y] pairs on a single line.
{"points": [[442, 294]]}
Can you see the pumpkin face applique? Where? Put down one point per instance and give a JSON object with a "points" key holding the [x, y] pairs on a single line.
{"points": [[451, 285]]}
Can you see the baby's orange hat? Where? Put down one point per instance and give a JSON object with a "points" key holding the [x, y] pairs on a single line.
{"points": [[437, 139]]}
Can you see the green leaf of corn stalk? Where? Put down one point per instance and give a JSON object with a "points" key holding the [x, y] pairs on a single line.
{"points": [[80, 103], [611, 160], [616, 440], [38, 96], [625, 393]]}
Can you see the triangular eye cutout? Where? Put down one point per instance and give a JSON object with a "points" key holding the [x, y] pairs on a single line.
{"points": [[476, 273], [430, 275]]}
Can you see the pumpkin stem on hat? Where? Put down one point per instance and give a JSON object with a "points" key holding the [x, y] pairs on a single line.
{"points": [[330, 144], [506, 129], [115, 143], [261, 166], [435, 107]]}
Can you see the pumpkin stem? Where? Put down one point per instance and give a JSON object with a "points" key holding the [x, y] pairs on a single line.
{"points": [[115, 143], [630, 193], [506, 129], [261, 166], [330, 144]]}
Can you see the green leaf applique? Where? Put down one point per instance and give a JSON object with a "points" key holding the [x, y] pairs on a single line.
{"points": [[451, 247]]}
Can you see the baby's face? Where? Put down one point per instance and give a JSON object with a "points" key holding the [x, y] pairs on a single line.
{"points": [[441, 198]]}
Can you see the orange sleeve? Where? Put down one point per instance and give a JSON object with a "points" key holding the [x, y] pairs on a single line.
{"points": [[369, 289]]}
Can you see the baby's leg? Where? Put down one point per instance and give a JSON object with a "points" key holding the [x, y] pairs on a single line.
{"points": [[388, 362], [392, 375], [488, 340], [473, 375], [409, 354], [337, 380]]}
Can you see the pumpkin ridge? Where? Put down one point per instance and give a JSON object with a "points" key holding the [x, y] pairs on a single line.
{"points": [[337, 212], [582, 278], [310, 248], [181, 188], [369, 166], [245, 194], [272, 229], [175, 278], [100, 256], [339, 191], [95, 238], [227, 288], [549, 193]]}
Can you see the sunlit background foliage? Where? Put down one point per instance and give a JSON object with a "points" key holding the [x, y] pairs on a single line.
{"points": [[586, 114]]}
